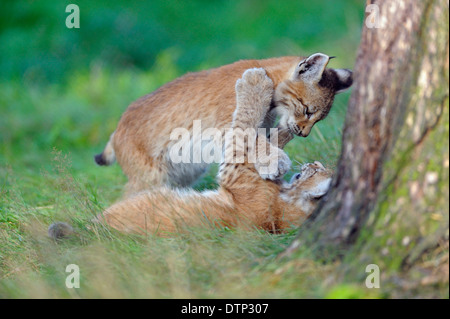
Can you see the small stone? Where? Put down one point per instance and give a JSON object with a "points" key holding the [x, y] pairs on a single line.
{"points": [[406, 240]]}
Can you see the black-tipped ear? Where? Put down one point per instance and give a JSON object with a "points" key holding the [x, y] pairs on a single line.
{"points": [[311, 68], [344, 80]]}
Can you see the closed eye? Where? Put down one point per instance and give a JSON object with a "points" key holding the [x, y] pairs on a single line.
{"points": [[308, 113], [305, 108], [318, 197]]}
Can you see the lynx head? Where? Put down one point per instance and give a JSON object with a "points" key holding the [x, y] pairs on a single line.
{"points": [[306, 97], [307, 186]]}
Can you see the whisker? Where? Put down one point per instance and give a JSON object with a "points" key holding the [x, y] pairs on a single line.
{"points": [[271, 118], [299, 165]]}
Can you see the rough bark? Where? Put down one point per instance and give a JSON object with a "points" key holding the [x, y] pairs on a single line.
{"points": [[394, 159]]}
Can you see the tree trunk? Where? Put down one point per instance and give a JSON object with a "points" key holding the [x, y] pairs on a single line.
{"points": [[391, 182]]}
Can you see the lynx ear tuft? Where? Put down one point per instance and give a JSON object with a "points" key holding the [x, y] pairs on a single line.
{"points": [[311, 69]]}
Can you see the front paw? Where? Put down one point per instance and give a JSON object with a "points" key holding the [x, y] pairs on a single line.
{"points": [[280, 137], [255, 87], [274, 165]]}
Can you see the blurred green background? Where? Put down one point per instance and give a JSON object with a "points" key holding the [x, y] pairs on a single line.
{"points": [[37, 47], [66, 88], [62, 92]]}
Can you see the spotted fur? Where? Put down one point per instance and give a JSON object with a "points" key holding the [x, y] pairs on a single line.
{"points": [[304, 90], [244, 199]]}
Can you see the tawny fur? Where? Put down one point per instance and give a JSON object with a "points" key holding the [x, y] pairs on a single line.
{"points": [[304, 93], [244, 199]]}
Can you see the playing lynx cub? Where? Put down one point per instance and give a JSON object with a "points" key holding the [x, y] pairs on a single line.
{"points": [[243, 199], [304, 93]]}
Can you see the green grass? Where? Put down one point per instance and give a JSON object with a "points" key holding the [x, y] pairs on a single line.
{"points": [[47, 174], [61, 94]]}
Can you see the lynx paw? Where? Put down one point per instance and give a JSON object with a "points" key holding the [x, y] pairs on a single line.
{"points": [[274, 165], [254, 88]]}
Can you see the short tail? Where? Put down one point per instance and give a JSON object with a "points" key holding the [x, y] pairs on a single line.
{"points": [[60, 230], [108, 156]]}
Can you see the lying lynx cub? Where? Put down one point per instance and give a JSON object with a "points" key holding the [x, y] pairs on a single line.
{"points": [[304, 93], [243, 199]]}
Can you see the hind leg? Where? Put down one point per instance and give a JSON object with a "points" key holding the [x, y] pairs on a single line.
{"points": [[148, 181], [175, 175], [185, 174], [144, 173]]}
